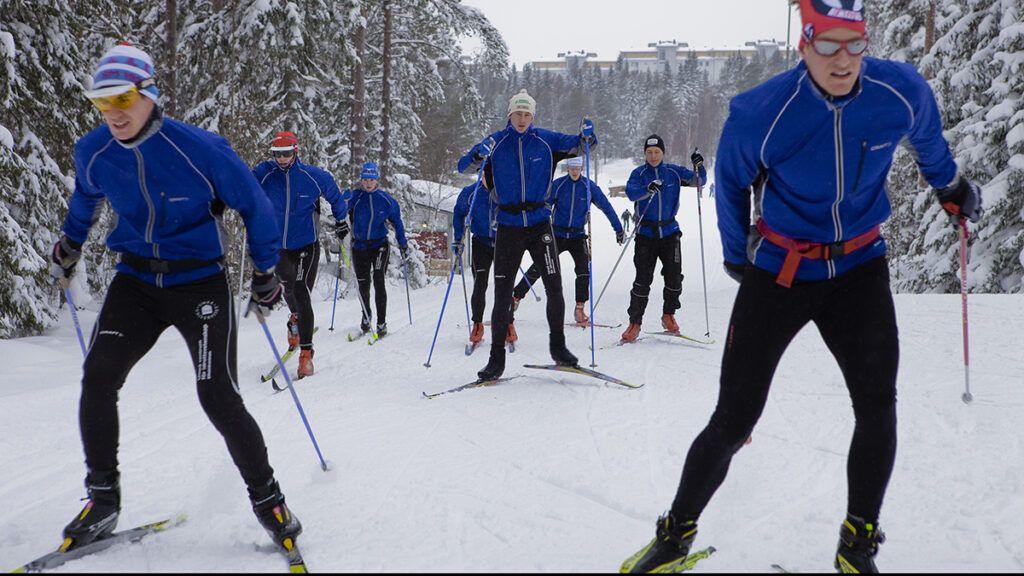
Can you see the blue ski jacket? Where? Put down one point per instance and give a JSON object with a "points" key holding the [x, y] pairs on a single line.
{"points": [[569, 206], [658, 213], [169, 188], [369, 212], [482, 213], [815, 166], [295, 193], [522, 166]]}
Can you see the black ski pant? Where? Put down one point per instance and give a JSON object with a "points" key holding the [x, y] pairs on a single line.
{"points": [[855, 315], [647, 252], [483, 256], [371, 266], [577, 248], [297, 271], [133, 317], [510, 243]]}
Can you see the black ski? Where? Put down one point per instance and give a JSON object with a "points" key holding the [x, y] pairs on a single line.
{"points": [[682, 336], [60, 556], [474, 384], [583, 371]]}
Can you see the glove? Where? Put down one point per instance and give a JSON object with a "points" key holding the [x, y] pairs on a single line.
{"points": [[735, 271], [484, 149], [962, 199], [457, 248], [405, 252], [587, 129], [341, 230], [620, 237], [266, 293], [64, 257], [696, 158], [654, 187]]}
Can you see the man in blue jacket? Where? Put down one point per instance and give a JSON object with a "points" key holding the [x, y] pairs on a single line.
{"points": [[656, 187], [475, 202], [295, 190], [522, 157], [370, 209], [169, 184], [811, 149], [570, 214]]}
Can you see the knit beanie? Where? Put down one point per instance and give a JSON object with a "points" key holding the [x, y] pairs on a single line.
{"points": [[821, 15], [125, 65], [575, 162], [654, 140], [522, 102], [370, 172], [284, 141]]}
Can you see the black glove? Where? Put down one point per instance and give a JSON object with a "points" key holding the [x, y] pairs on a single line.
{"points": [[620, 237], [404, 251], [735, 271], [696, 158], [654, 187], [341, 230], [457, 248], [64, 257], [266, 293], [961, 199]]}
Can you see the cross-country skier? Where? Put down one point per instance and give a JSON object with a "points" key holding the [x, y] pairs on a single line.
{"points": [[169, 184], [481, 224], [810, 150]]}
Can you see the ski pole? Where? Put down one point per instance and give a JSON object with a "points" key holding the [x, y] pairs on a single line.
{"points": [[241, 277], [337, 274], [700, 226], [65, 285], [408, 299], [621, 254], [530, 284], [451, 276], [962, 229], [288, 379], [465, 295], [590, 266]]}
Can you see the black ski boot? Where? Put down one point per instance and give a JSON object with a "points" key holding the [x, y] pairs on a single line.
{"points": [[364, 325], [273, 513], [858, 544], [668, 550], [382, 329], [495, 365], [559, 353], [99, 517]]}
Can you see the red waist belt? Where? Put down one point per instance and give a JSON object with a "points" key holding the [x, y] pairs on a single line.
{"points": [[798, 249]]}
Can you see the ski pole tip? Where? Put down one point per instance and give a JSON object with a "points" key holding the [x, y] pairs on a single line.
{"points": [[967, 397], [427, 364]]}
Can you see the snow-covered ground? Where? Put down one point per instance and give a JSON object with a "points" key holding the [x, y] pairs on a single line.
{"points": [[549, 472]]}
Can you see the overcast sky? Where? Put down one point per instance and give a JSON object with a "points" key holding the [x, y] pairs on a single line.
{"points": [[540, 29]]}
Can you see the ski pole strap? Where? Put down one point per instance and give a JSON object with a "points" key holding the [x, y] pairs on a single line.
{"points": [[799, 249], [521, 207], [159, 266]]}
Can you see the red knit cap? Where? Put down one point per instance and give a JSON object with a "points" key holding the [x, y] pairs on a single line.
{"points": [[284, 141], [821, 15]]}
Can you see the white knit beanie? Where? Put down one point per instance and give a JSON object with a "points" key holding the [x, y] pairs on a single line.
{"points": [[522, 102]]}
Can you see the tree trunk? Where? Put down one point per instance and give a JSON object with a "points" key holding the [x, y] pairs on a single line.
{"points": [[359, 96], [170, 83], [385, 152]]}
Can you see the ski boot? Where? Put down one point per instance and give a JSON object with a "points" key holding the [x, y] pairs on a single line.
{"points": [[364, 325], [668, 550], [668, 322], [99, 517], [858, 544], [382, 329], [495, 365], [293, 332], [273, 514], [559, 353], [305, 363], [579, 315], [631, 333], [478, 333]]}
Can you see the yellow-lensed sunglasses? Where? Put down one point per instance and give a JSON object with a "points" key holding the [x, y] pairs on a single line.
{"points": [[122, 96]]}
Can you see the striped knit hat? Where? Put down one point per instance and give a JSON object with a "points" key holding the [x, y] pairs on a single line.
{"points": [[125, 65]]}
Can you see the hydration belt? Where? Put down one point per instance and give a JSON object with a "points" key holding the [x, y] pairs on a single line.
{"points": [[799, 249], [565, 230], [521, 207], [159, 266], [657, 223]]}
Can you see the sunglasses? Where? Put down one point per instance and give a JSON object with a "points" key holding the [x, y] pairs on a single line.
{"points": [[122, 97], [283, 153], [831, 47]]}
